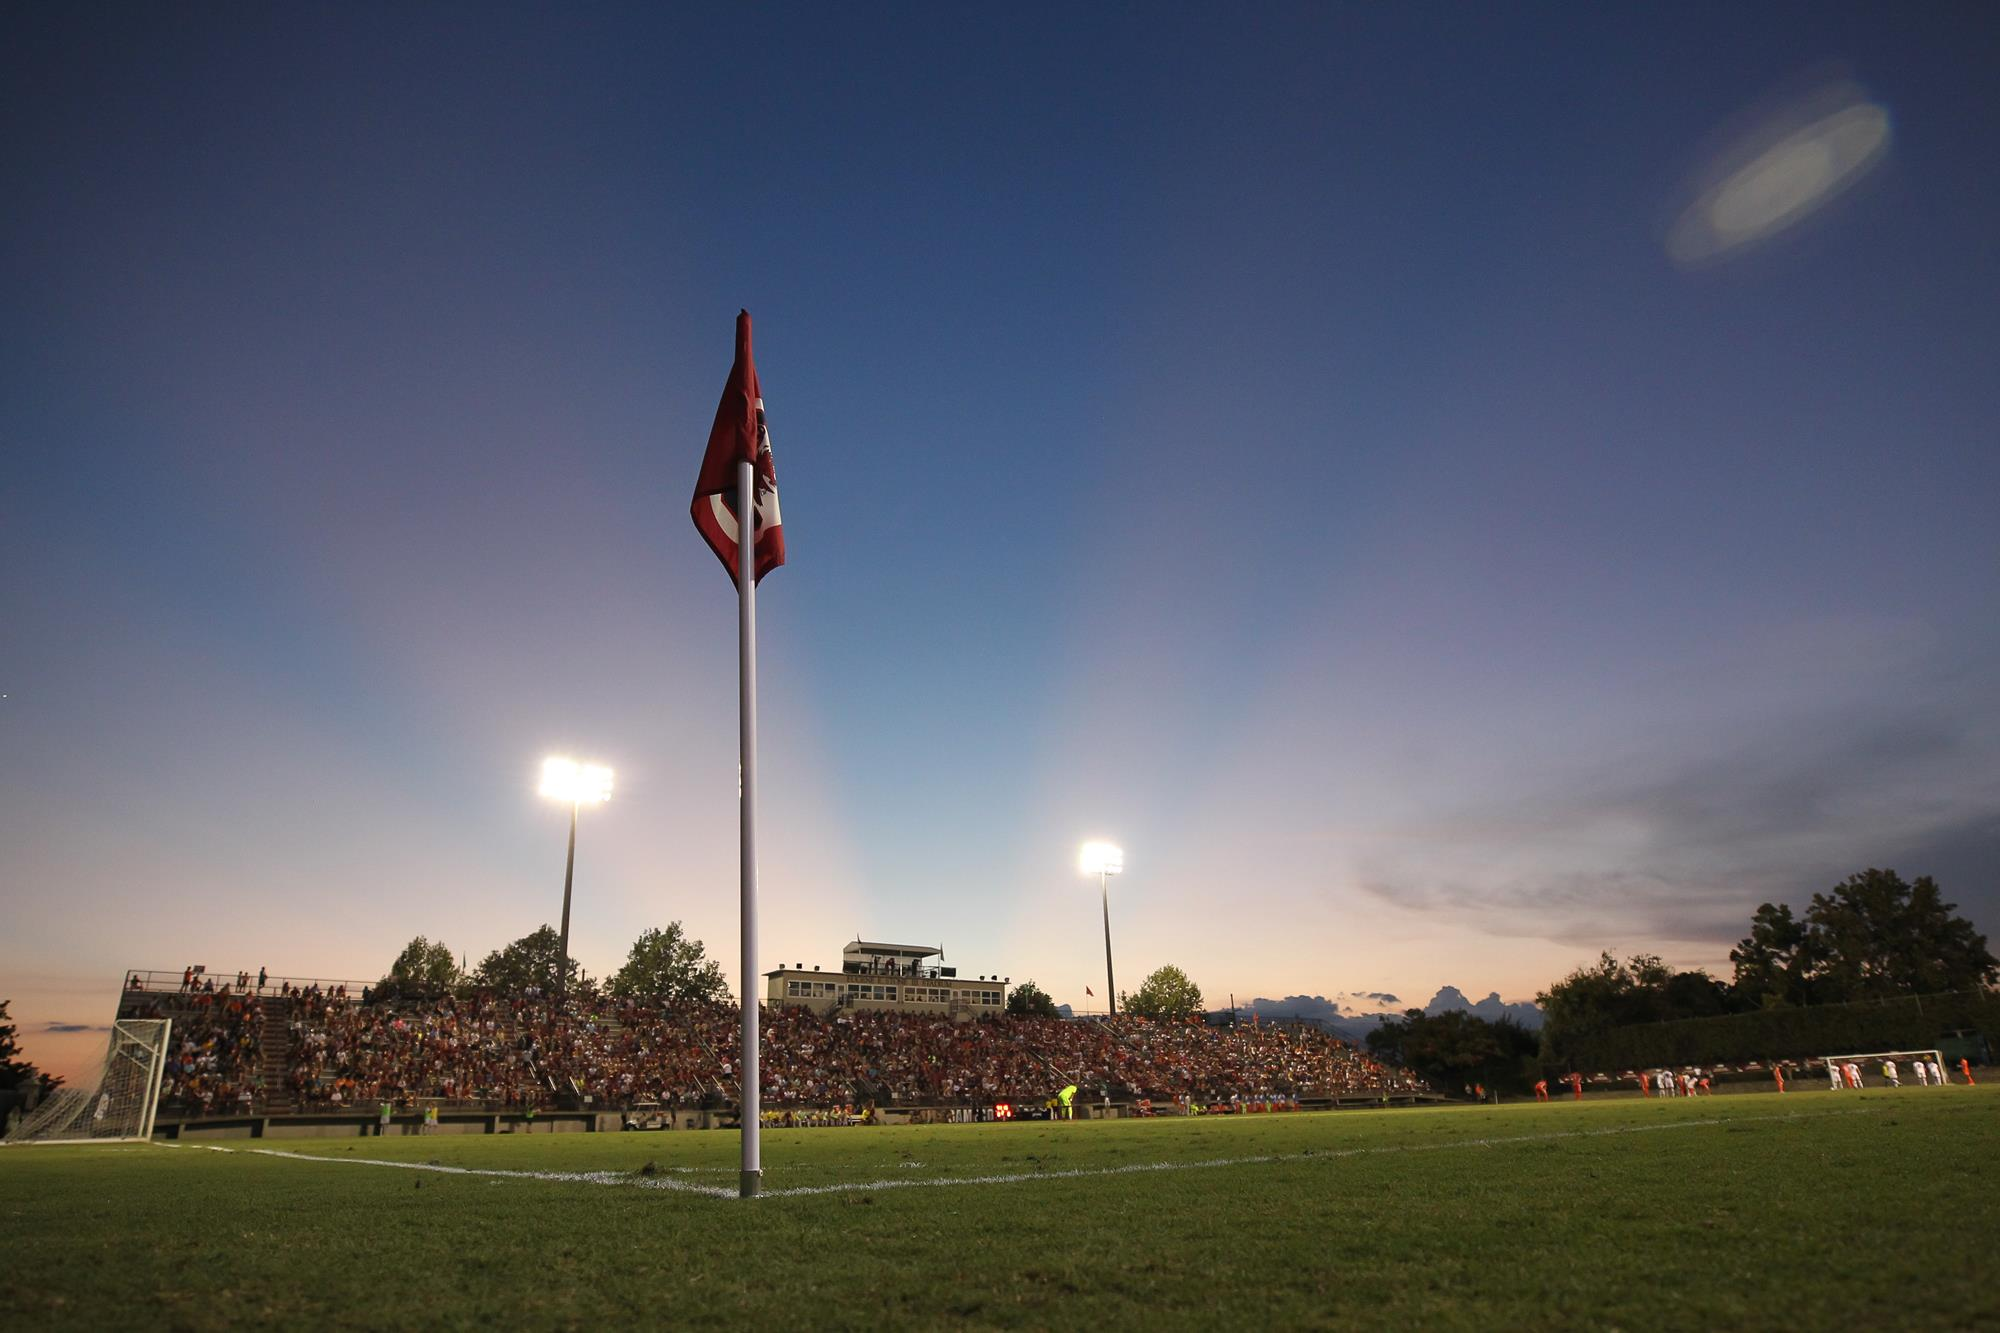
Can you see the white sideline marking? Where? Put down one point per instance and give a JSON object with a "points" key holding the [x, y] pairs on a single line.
{"points": [[666, 1181], [1137, 1168]]}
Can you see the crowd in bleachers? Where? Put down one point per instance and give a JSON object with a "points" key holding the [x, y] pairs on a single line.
{"points": [[529, 1050], [533, 1050], [214, 1054]]}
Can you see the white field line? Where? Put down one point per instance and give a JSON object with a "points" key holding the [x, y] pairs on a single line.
{"points": [[660, 1182], [667, 1180], [1309, 1155]]}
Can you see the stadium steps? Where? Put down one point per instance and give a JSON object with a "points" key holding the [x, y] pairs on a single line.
{"points": [[276, 1055]]}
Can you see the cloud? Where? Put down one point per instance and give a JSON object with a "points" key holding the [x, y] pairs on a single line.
{"points": [[1492, 1008], [1686, 850], [76, 1027]]}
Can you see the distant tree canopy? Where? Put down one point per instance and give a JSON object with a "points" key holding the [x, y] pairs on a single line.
{"points": [[668, 965], [1030, 1001], [528, 961], [1168, 993], [1454, 1049], [423, 968], [1609, 994], [13, 1073], [1872, 937]]}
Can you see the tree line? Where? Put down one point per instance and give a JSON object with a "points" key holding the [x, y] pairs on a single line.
{"points": [[1872, 937], [664, 964]]}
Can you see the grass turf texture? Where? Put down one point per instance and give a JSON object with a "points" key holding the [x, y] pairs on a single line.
{"points": [[1816, 1209]]}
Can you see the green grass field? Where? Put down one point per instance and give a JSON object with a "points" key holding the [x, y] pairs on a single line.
{"points": [[1877, 1209]]}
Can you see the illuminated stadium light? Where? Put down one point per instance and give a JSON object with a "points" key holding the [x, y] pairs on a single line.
{"points": [[1104, 859], [1101, 858], [578, 784]]}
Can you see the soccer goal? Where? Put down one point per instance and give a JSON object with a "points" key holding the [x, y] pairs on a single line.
{"points": [[119, 1105], [1881, 1069]]}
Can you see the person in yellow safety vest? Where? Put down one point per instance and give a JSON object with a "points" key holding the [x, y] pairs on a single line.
{"points": [[1068, 1096]]}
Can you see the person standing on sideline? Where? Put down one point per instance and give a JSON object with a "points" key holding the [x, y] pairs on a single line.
{"points": [[382, 1114]]}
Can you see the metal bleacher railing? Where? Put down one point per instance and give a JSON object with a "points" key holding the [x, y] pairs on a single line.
{"points": [[143, 981]]}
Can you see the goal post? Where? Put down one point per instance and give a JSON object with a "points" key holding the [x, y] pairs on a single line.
{"points": [[119, 1106], [1917, 1068]]}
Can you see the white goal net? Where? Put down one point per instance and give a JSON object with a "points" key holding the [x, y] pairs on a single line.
{"points": [[119, 1105], [1885, 1069]]}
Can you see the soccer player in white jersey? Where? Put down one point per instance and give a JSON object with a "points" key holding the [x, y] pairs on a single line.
{"points": [[1853, 1072], [1937, 1073], [1889, 1072], [1923, 1073], [1833, 1075]]}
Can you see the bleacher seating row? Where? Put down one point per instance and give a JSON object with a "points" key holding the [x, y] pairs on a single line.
{"points": [[313, 1050]]}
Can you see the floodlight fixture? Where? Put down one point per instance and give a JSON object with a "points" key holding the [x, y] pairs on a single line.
{"points": [[1101, 858], [1104, 859], [577, 785]]}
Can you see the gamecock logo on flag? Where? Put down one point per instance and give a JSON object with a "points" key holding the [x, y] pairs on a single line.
{"points": [[740, 435]]}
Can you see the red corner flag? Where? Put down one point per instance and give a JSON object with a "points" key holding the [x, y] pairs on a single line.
{"points": [[739, 435]]}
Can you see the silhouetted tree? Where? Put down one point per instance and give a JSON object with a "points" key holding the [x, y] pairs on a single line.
{"points": [[1775, 962], [1454, 1048], [1872, 937], [528, 961], [1030, 1001], [668, 965], [13, 1073], [1167, 993], [1608, 994], [423, 968]]}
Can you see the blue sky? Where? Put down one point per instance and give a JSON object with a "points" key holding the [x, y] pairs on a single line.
{"points": [[1278, 439]]}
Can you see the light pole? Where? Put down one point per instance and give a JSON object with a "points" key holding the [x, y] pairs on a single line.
{"points": [[1104, 859], [580, 785]]}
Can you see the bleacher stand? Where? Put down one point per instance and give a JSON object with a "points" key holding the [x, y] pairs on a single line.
{"points": [[317, 1048]]}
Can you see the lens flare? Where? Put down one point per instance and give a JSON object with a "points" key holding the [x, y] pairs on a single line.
{"points": [[1794, 163]]}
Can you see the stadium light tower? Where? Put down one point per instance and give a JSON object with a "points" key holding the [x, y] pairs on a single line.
{"points": [[580, 785], [1104, 859]]}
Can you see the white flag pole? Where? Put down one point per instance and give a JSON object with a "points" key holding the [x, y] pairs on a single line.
{"points": [[746, 648]]}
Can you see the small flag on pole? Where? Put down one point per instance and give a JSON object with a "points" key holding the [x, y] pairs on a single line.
{"points": [[739, 435], [1091, 993]]}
